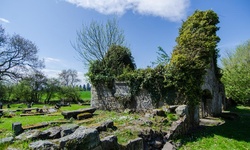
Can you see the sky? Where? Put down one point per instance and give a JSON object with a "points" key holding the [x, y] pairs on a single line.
{"points": [[147, 24]]}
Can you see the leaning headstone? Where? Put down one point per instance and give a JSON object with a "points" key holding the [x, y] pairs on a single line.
{"points": [[17, 128], [8, 105]]}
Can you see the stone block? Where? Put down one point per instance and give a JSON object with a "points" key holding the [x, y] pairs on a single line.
{"points": [[110, 143], [82, 138], [136, 144], [68, 129], [73, 114], [17, 128]]}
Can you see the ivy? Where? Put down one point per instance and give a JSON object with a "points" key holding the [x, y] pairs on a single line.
{"points": [[196, 47]]}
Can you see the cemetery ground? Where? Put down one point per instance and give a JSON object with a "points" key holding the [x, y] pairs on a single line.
{"points": [[233, 134], [126, 124]]}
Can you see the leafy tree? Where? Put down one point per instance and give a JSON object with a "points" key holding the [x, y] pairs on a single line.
{"points": [[88, 87], [116, 60], [17, 56], [22, 91], [236, 74], [196, 48], [3, 91], [52, 87], [68, 77], [93, 41], [69, 93]]}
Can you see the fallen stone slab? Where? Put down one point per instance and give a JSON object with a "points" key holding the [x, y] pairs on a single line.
{"points": [[211, 122], [28, 135], [33, 114], [82, 138], [35, 126], [67, 129], [53, 132], [70, 114]]}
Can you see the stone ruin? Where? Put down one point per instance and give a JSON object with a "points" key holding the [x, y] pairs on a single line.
{"points": [[119, 98]]}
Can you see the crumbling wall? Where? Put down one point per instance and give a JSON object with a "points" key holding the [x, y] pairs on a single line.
{"points": [[120, 98], [216, 89]]}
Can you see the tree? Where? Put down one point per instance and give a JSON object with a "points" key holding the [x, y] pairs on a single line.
{"points": [[52, 86], [69, 93], [68, 77], [84, 87], [88, 87], [236, 74], [17, 56], [22, 91], [93, 41], [116, 61], [3, 91]]}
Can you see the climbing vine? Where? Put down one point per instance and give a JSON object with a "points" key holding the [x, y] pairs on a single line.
{"points": [[195, 50]]}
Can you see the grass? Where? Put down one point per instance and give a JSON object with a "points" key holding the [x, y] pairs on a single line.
{"points": [[6, 123], [234, 134], [85, 95]]}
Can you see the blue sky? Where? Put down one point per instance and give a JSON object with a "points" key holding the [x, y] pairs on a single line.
{"points": [[147, 24]]}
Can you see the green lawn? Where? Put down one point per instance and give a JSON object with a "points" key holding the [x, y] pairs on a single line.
{"points": [[85, 95], [233, 135], [6, 123]]}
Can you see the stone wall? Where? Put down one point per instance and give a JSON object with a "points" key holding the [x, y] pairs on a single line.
{"points": [[119, 98], [213, 105]]}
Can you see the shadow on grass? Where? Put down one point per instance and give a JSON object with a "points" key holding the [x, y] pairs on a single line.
{"points": [[237, 129]]}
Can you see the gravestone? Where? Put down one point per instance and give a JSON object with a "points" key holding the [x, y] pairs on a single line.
{"points": [[1, 105], [17, 128]]}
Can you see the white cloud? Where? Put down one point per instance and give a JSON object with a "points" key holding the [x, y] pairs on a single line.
{"points": [[49, 59], [4, 20], [173, 10]]}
